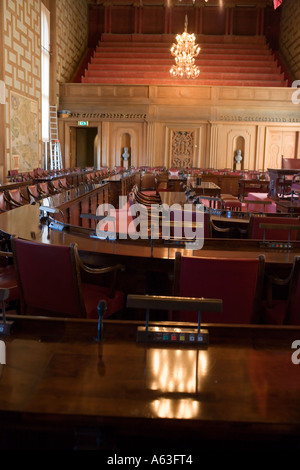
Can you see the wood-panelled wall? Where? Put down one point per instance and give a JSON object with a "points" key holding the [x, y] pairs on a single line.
{"points": [[239, 18], [198, 126]]}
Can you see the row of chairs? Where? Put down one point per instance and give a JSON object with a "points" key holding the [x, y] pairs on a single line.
{"points": [[26, 194], [59, 283], [15, 177]]}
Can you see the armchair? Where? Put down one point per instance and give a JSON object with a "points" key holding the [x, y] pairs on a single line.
{"points": [[237, 282], [52, 281]]}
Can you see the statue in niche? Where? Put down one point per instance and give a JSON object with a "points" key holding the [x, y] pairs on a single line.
{"points": [[238, 158], [126, 156]]}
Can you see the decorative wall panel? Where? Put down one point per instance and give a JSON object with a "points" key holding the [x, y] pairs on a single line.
{"points": [[22, 71]]}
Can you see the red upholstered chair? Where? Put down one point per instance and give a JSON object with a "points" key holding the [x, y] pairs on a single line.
{"points": [[285, 309], [52, 282], [8, 279], [236, 281], [256, 232], [292, 316]]}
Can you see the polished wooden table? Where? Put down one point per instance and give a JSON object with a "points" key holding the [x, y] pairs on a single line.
{"points": [[62, 389]]}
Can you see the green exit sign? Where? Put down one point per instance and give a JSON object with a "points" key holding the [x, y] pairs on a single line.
{"points": [[83, 123]]}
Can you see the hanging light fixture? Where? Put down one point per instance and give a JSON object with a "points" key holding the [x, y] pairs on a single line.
{"points": [[185, 52]]}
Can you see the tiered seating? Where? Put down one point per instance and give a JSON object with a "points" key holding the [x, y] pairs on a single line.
{"points": [[146, 59]]}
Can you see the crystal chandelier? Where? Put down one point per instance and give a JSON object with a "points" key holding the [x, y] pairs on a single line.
{"points": [[185, 52]]}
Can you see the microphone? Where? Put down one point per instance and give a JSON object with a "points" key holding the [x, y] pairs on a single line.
{"points": [[101, 309]]}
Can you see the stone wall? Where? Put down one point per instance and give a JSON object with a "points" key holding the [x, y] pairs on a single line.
{"points": [[21, 73], [20, 70], [71, 36]]}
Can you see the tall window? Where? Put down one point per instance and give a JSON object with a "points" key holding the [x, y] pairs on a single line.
{"points": [[45, 70]]}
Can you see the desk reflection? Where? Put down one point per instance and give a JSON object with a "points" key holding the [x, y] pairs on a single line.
{"points": [[176, 372]]}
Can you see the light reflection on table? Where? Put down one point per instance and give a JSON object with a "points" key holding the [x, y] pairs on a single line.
{"points": [[176, 372]]}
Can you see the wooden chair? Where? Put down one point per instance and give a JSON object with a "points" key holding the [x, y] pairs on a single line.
{"points": [[3, 204], [43, 190], [8, 278], [285, 309], [14, 198], [54, 187], [63, 184], [33, 193], [148, 182], [54, 281], [273, 228], [237, 282], [290, 163]]}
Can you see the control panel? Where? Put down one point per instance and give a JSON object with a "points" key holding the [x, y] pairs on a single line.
{"points": [[277, 245], [155, 334]]}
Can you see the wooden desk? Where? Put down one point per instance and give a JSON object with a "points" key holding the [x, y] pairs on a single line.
{"points": [[60, 389], [121, 185], [206, 188], [82, 199], [24, 222], [275, 174], [253, 186], [288, 207], [175, 182]]}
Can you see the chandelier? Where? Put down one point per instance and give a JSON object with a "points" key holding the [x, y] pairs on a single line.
{"points": [[185, 52]]}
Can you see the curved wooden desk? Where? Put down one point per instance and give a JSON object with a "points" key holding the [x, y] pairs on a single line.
{"points": [[24, 222], [133, 397]]}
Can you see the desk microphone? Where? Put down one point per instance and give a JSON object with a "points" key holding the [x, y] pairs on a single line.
{"points": [[101, 309]]}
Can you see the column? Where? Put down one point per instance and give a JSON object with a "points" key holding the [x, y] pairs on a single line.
{"points": [[214, 146]]}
